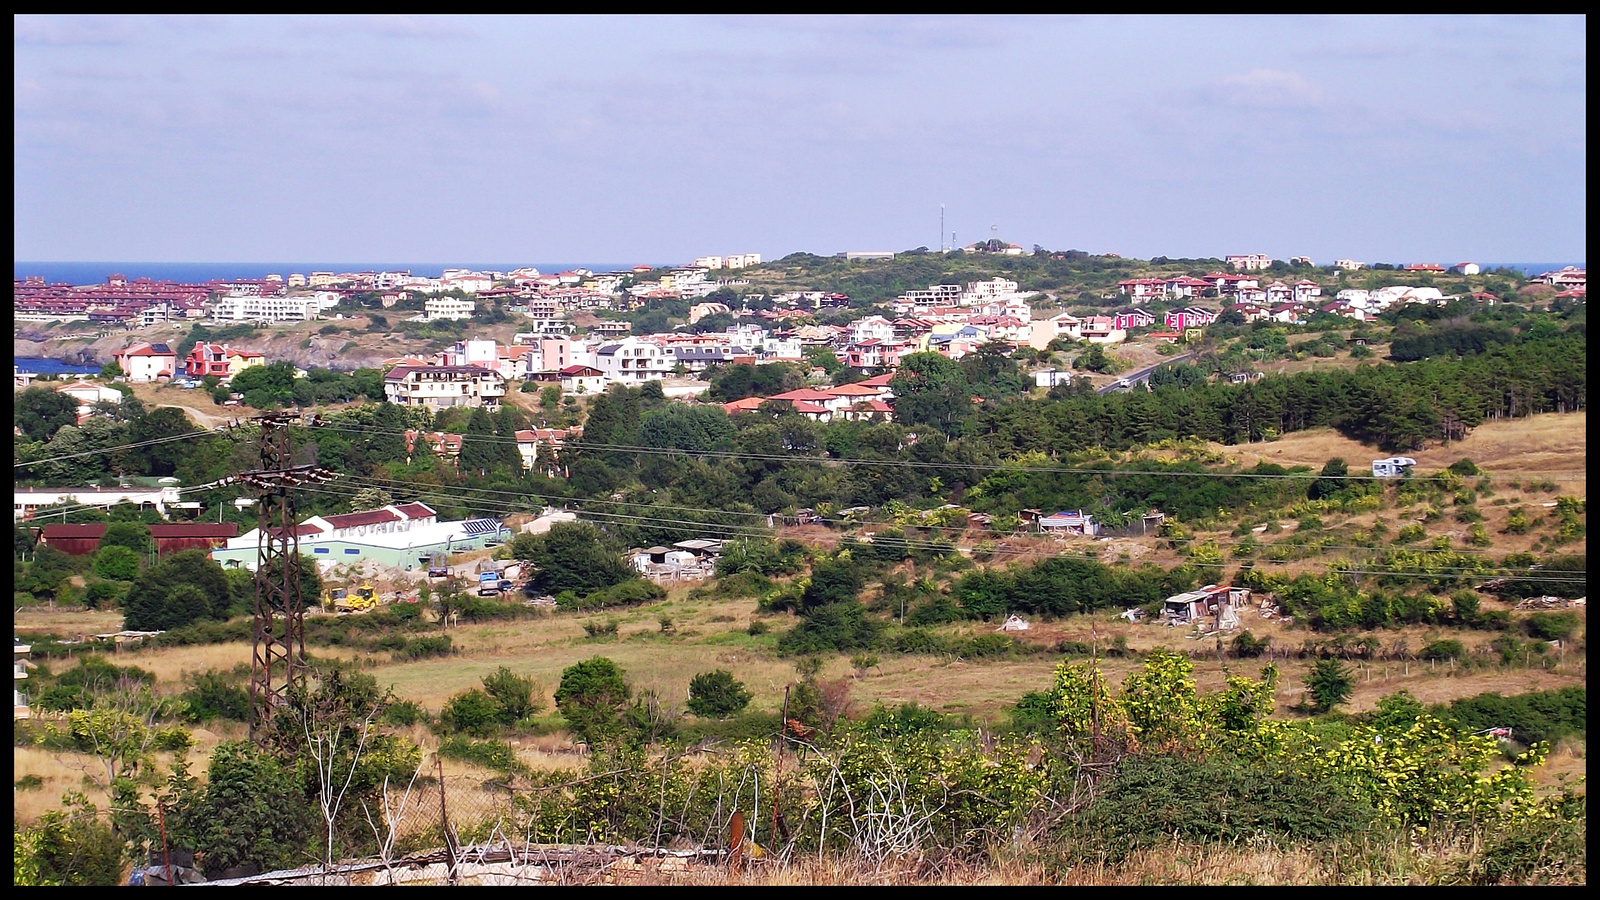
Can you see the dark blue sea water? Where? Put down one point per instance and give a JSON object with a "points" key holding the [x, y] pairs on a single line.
{"points": [[194, 273], [51, 367]]}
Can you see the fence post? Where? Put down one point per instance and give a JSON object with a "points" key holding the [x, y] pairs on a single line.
{"points": [[444, 822]]}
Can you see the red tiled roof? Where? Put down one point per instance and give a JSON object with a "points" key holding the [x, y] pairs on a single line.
{"points": [[416, 510], [369, 517]]}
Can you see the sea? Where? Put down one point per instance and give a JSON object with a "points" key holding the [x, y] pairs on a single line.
{"points": [[37, 366], [84, 273]]}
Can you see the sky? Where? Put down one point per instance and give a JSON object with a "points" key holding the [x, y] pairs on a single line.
{"points": [[659, 139]]}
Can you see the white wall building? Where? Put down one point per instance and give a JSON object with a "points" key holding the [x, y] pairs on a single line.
{"points": [[448, 308], [267, 309], [437, 387], [633, 361], [27, 501]]}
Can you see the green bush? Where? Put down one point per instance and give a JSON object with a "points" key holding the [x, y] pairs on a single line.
{"points": [[717, 695], [214, 696], [1153, 800], [471, 712], [403, 713], [1443, 649], [1248, 646], [518, 697], [75, 847], [591, 697], [253, 812], [1532, 717], [1551, 626], [496, 755]]}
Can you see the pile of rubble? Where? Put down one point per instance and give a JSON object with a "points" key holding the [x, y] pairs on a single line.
{"points": [[1548, 602]]}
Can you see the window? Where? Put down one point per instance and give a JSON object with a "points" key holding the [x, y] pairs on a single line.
{"points": [[319, 550], [352, 551]]}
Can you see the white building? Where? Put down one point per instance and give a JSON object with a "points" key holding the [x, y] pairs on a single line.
{"points": [[266, 309], [147, 362], [88, 394], [1349, 265], [453, 308], [437, 387], [708, 262], [740, 260], [26, 501], [633, 361], [1251, 262]]}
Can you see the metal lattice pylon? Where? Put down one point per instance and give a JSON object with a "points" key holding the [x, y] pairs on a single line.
{"points": [[278, 658]]}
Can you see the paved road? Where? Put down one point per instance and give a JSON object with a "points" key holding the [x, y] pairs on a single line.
{"points": [[1140, 376]]}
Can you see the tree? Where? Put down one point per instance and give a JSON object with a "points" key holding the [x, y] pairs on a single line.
{"points": [[571, 556], [116, 563], [1330, 682], [155, 603], [930, 389], [253, 812], [40, 412], [135, 536], [717, 695], [591, 698], [73, 846], [1332, 481]]}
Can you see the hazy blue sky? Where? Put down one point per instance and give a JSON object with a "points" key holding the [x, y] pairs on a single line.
{"points": [[657, 139]]}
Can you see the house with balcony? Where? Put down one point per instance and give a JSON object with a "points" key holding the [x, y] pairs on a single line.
{"points": [[634, 361], [1189, 317], [1307, 291], [1102, 330], [220, 360], [440, 387]]}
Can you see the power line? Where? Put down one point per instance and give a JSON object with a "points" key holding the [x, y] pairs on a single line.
{"points": [[119, 447]]}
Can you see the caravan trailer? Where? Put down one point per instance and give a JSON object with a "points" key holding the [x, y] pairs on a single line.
{"points": [[1394, 465]]}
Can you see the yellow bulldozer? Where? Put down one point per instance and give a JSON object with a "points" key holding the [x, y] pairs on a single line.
{"points": [[342, 600]]}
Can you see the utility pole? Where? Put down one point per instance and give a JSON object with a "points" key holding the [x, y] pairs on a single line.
{"points": [[279, 634]]}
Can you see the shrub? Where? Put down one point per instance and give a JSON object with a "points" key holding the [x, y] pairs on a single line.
{"points": [[1248, 646], [1532, 717], [1551, 626], [1443, 649], [1330, 682], [471, 712], [403, 713], [424, 647], [1150, 800], [757, 627], [253, 812], [517, 696], [75, 846], [717, 695], [900, 720], [591, 697], [597, 630], [496, 755], [214, 696]]}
